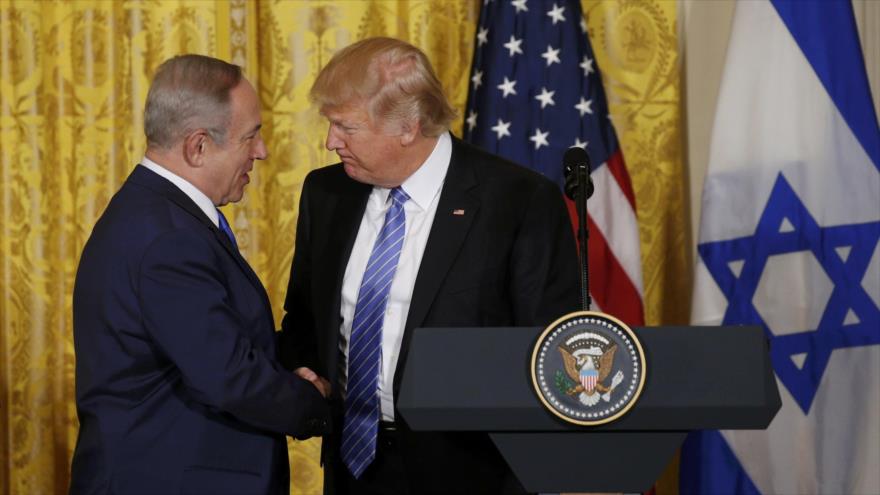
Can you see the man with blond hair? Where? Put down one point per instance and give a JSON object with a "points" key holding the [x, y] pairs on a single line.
{"points": [[413, 228], [178, 389]]}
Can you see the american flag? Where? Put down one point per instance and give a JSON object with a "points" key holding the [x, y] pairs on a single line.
{"points": [[535, 91]]}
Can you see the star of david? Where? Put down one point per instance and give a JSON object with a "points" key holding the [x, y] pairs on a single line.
{"points": [[850, 317]]}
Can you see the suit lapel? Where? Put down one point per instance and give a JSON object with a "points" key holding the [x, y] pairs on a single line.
{"points": [[343, 223], [145, 177], [456, 211], [243, 264]]}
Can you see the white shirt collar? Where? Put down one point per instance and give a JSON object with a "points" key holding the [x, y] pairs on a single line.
{"points": [[425, 183], [199, 198]]}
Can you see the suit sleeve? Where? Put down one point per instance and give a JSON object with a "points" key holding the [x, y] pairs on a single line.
{"points": [[188, 312], [297, 340], [544, 263]]}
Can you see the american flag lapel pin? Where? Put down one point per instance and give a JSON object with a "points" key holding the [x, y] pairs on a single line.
{"points": [[458, 212]]}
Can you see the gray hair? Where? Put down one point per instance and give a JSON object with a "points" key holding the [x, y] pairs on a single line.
{"points": [[189, 92]]}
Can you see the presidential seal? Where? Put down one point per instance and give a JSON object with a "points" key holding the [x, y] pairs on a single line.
{"points": [[588, 368]]}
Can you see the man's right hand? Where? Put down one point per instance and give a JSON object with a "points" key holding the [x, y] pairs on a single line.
{"points": [[319, 382]]}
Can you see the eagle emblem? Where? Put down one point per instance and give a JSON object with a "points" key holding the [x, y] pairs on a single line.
{"points": [[588, 368]]}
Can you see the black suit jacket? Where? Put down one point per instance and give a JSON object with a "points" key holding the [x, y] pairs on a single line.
{"points": [[177, 385], [509, 260]]}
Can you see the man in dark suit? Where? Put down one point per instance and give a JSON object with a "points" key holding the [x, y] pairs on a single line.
{"points": [[413, 229], [177, 385]]}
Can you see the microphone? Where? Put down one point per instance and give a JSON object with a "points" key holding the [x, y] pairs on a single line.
{"points": [[576, 168], [579, 187]]}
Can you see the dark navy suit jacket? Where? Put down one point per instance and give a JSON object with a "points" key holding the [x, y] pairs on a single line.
{"points": [[177, 385]]}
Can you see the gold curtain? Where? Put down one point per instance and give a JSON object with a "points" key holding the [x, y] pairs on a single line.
{"points": [[73, 79], [636, 45]]}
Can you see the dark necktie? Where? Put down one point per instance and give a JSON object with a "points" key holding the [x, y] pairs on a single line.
{"points": [[225, 228], [365, 344]]}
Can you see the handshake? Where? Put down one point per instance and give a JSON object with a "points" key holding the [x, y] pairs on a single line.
{"points": [[319, 382]]}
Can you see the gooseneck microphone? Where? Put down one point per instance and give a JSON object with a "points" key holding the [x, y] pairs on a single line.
{"points": [[576, 170], [579, 187]]}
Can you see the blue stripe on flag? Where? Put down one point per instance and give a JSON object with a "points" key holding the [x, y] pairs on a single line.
{"points": [[826, 33], [700, 477]]}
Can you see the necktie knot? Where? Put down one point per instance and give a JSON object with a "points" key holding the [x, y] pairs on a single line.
{"points": [[225, 228], [399, 196]]}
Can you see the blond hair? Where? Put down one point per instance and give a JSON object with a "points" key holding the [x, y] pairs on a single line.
{"points": [[189, 92], [394, 79]]}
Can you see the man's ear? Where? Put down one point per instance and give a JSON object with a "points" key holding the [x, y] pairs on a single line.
{"points": [[409, 130], [195, 145]]}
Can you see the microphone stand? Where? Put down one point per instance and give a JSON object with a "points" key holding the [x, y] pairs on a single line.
{"points": [[584, 191]]}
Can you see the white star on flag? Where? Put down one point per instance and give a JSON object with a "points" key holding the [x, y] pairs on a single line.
{"points": [[483, 36], [540, 138], [580, 144], [583, 106], [556, 14], [501, 128], [584, 25], [551, 55], [514, 45], [507, 88], [546, 97], [587, 65], [477, 79], [471, 120], [520, 5]]}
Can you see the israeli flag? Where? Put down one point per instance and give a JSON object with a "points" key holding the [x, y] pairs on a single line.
{"points": [[789, 240]]}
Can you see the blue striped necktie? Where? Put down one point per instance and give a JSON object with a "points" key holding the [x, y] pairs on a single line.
{"points": [[365, 344], [225, 228]]}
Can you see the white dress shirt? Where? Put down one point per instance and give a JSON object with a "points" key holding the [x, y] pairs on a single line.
{"points": [[423, 188], [199, 198]]}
